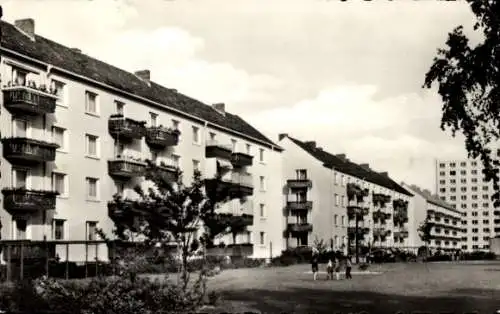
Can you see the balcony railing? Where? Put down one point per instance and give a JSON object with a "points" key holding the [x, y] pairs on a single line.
{"points": [[29, 250], [28, 150], [214, 149], [241, 160], [162, 137], [300, 227], [242, 184], [126, 168], [361, 230], [29, 100], [299, 205], [23, 200], [299, 183], [353, 211], [169, 170], [248, 219], [125, 128]]}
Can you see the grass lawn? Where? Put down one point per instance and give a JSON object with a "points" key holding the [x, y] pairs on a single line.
{"points": [[458, 287]]}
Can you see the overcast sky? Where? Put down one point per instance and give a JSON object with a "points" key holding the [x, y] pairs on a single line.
{"points": [[345, 74]]}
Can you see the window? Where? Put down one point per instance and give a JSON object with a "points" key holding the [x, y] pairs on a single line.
{"points": [[474, 197], [92, 188], [463, 180], [342, 180], [249, 149], [92, 145], [196, 135], [59, 137], [485, 196], [452, 172], [196, 165], [463, 197], [212, 136], [442, 190], [441, 173], [486, 213], [20, 128], [463, 189], [336, 178], [175, 124], [336, 200], [19, 77], [335, 219], [452, 165], [462, 172], [301, 174], [60, 91], [262, 239], [463, 164], [58, 229], [485, 188], [463, 206], [342, 201], [153, 117], [91, 230], [262, 183], [120, 107], [474, 180], [441, 165], [474, 171], [442, 182], [261, 155], [342, 220], [473, 164], [91, 105], [486, 205], [474, 188], [21, 226], [20, 178], [453, 181], [59, 183], [120, 187], [262, 210], [233, 145]]}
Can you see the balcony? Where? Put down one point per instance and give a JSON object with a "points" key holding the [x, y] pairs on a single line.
{"points": [[161, 137], [126, 168], [22, 200], [299, 184], [214, 149], [380, 232], [219, 189], [29, 100], [380, 216], [125, 128], [27, 150], [241, 160], [400, 218], [28, 250], [242, 184], [300, 227], [247, 219], [401, 234], [169, 171], [361, 230], [353, 211], [299, 206]]}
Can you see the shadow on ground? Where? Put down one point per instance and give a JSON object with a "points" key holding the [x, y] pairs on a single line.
{"points": [[303, 300]]}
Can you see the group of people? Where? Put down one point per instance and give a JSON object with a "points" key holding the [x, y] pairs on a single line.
{"points": [[333, 267]]}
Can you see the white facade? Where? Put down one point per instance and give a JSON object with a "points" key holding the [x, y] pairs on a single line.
{"points": [[329, 204], [80, 169], [460, 183]]}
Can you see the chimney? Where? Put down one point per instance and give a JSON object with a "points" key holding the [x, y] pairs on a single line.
{"points": [[341, 156], [384, 173], [220, 107], [365, 166], [311, 144], [27, 26], [282, 136], [144, 75]]}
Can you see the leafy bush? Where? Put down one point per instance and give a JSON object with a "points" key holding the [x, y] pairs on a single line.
{"points": [[478, 255]]}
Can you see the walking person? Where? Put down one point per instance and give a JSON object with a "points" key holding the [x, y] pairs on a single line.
{"points": [[314, 264], [337, 269], [348, 267], [329, 269]]}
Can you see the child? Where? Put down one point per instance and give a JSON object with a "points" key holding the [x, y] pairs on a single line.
{"points": [[337, 269], [314, 265], [329, 270], [348, 267]]}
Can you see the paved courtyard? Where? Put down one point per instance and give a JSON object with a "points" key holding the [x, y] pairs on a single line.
{"points": [[398, 288]]}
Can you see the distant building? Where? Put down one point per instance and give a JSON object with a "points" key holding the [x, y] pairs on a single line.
{"points": [[461, 184], [447, 231], [319, 201]]}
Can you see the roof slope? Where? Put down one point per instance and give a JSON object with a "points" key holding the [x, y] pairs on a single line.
{"points": [[350, 168], [433, 199], [55, 54]]}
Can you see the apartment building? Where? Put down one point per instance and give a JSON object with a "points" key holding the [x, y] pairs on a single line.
{"points": [[76, 131], [325, 194], [461, 184], [447, 230]]}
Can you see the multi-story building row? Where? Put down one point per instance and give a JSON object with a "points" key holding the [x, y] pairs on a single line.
{"points": [[326, 194], [75, 131], [462, 184], [446, 231]]}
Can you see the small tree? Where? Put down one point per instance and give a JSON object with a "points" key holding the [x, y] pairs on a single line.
{"points": [[170, 211], [424, 232]]}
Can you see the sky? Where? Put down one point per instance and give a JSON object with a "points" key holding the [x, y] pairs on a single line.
{"points": [[347, 75]]}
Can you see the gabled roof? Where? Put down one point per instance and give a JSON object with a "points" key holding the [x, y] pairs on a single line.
{"points": [[350, 168], [433, 199], [57, 55]]}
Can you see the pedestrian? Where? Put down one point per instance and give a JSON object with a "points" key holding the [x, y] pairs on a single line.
{"points": [[337, 269], [314, 265], [329, 269], [348, 267]]}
